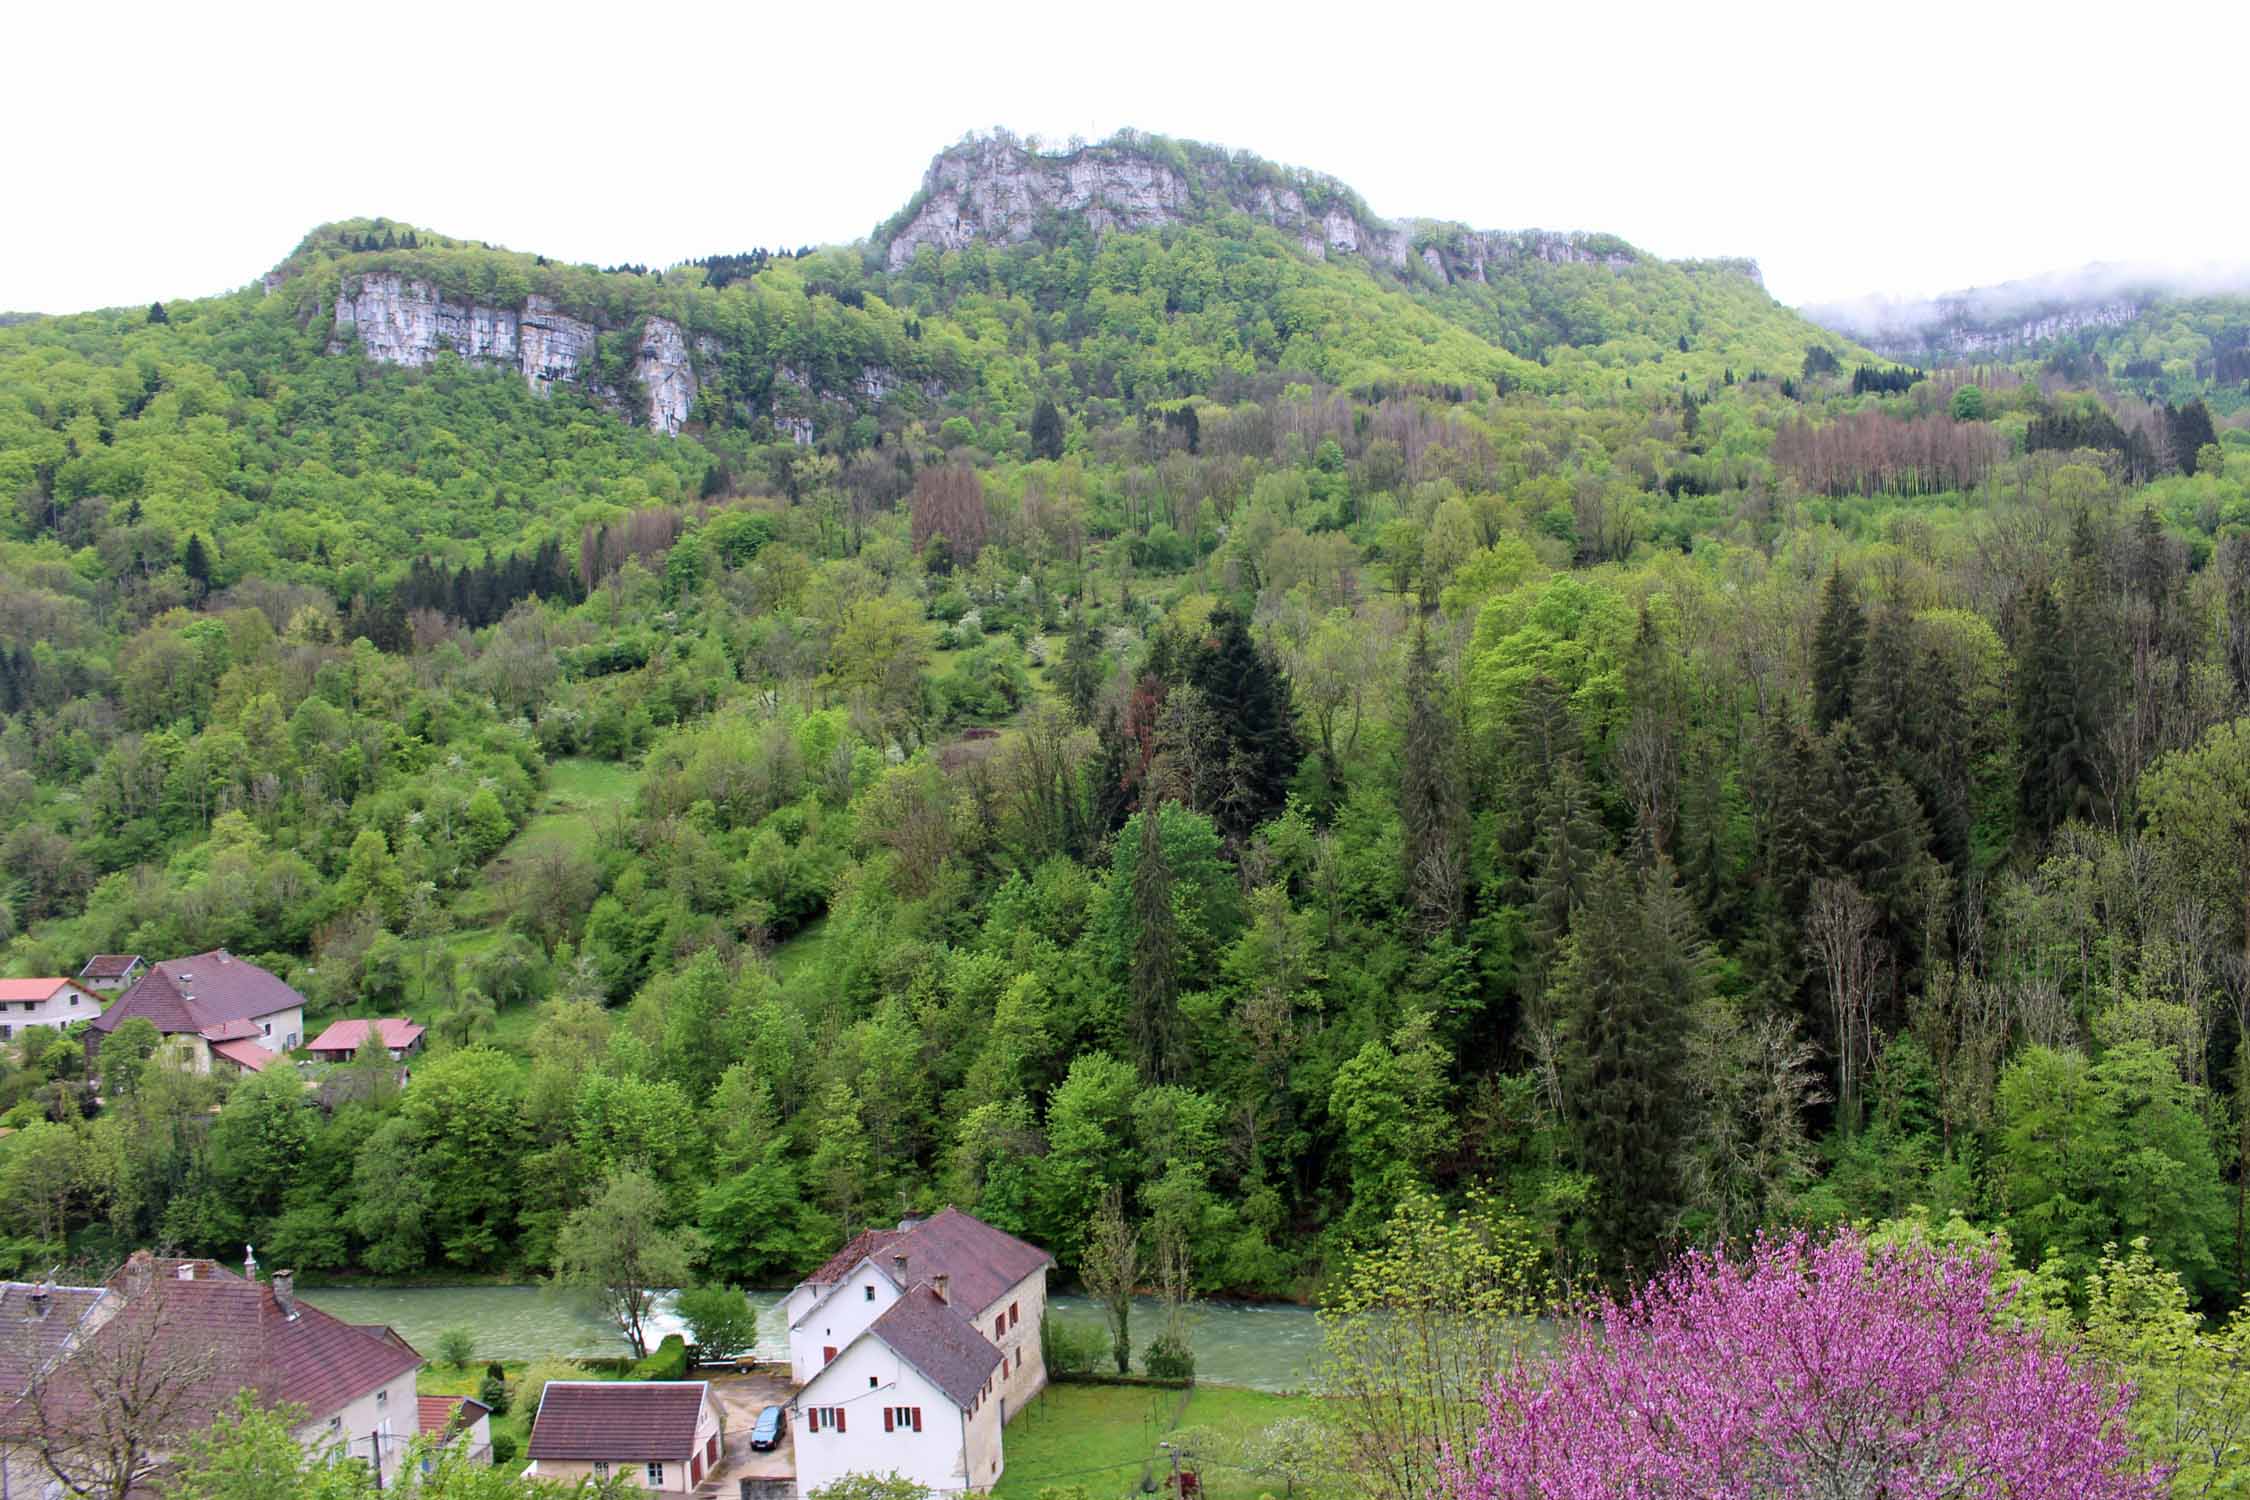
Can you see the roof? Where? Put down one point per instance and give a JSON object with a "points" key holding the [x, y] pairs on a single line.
{"points": [[934, 1337], [439, 1416], [246, 1054], [231, 1334], [31, 1335], [982, 1261], [31, 989], [345, 1036], [109, 966], [618, 1421], [199, 993]]}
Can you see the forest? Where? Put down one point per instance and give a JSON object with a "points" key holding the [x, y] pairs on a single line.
{"points": [[1262, 737]]}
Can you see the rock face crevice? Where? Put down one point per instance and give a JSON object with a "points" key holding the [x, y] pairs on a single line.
{"points": [[997, 192], [401, 320]]}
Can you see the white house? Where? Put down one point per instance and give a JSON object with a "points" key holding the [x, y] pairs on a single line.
{"points": [[661, 1435], [111, 973], [53, 1003], [912, 1348], [213, 1010]]}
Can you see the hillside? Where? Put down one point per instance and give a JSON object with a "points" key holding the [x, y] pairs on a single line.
{"points": [[1170, 683]]}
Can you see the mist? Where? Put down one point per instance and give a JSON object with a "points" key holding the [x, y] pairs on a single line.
{"points": [[1879, 316]]}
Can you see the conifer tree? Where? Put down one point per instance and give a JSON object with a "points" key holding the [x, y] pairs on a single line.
{"points": [[1082, 668], [1838, 643], [1154, 987], [196, 562], [157, 314], [1046, 431], [1432, 805], [1248, 695]]}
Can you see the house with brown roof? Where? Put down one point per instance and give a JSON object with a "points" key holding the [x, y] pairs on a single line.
{"points": [[52, 1003], [912, 1348], [41, 1323], [182, 1337], [343, 1039], [662, 1435], [453, 1421], [213, 1010]]}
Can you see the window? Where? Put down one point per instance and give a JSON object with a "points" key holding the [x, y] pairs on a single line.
{"points": [[902, 1419], [267, 1026], [999, 1328], [382, 1400], [871, 1382], [335, 1426], [1012, 1318], [656, 1476], [870, 1293], [6, 1032], [601, 1470], [825, 1418]]}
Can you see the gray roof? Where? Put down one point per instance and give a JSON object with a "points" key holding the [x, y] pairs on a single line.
{"points": [[937, 1339], [612, 1421], [204, 993], [983, 1261]]}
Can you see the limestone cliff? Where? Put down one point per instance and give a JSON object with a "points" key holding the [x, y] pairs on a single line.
{"points": [[400, 320], [997, 191]]}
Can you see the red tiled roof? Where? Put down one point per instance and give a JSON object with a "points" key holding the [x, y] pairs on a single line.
{"points": [[232, 1334], [33, 1332], [934, 1337], [193, 994], [29, 989], [232, 1031], [247, 1055], [109, 965], [345, 1036], [982, 1261], [438, 1416], [618, 1421]]}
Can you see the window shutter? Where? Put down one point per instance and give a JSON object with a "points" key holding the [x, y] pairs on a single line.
{"points": [[886, 1419], [839, 1419], [917, 1419], [812, 1419]]}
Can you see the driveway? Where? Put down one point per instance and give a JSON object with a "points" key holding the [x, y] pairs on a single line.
{"points": [[741, 1398]]}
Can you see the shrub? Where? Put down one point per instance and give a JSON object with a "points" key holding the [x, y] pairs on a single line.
{"points": [[493, 1391], [667, 1361], [1168, 1357], [457, 1347], [1068, 1350], [503, 1449]]}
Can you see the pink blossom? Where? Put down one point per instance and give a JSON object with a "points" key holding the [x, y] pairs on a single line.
{"points": [[1813, 1370]]}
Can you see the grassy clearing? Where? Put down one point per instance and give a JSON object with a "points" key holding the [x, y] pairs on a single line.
{"points": [[579, 794], [448, 1380], [1102, 1438]]}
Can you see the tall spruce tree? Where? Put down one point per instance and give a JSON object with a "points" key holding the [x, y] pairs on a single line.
{"points": [[1046, 431], [1154, 988], [1248, 695], [1838, 644], [1432, 805], [1082, 668]]}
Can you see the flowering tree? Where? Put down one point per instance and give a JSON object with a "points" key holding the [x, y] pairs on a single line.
{"points": [[1814, 1370]]}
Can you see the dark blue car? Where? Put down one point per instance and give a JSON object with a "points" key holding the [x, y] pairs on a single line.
{"points": [[766, 1436]]}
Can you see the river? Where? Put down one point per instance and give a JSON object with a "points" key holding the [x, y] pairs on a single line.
{"points": [[1266, 1346]]}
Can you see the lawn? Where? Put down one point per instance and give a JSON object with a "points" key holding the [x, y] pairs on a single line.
{"points": [[448, 1380], [578, 795], [1103, 1439]]}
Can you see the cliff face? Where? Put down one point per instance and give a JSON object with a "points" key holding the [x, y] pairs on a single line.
{"points": [[1951, 329], [997, 192], [402, 321]]}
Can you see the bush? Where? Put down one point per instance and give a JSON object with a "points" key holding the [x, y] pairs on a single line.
{"points": [[493, 1391], [668, 1361], [1168, 1357], [503, 1449], [1068, 1350], [457, 1347], [721, 1319]]}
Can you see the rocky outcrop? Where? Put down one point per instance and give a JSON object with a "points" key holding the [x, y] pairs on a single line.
{"points": [[1970, 326], [400, 320], [995, 191]]}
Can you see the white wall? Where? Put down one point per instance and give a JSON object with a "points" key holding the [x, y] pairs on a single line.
{"points": [[1029, 1297], [837, 1321], [55, 1011], [932, 1457], [284, 1029], [681, 1474], [393, 1418]]}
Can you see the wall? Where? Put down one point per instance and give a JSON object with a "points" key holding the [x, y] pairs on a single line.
{"points": [[1020, 1385], [680, 1474], [285, 1029], [931, 1457], [56, 1010], [839, 1320], [393, 1419]]}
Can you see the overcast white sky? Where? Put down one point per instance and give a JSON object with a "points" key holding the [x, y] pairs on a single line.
{"points": [[178, 150]]}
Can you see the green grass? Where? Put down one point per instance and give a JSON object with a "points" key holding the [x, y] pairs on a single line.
{"points": [[1101, 1437], [578, 795], [448, 1380]]}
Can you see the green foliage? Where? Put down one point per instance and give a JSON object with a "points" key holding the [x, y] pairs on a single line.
{"points": [[457, 1347], [720, 1320], [667, 1361]]}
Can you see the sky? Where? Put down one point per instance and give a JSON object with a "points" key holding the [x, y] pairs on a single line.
{"points": [[1907, 148]]}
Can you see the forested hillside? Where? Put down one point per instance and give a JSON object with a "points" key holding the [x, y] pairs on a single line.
{"points": [[1142, 708]]}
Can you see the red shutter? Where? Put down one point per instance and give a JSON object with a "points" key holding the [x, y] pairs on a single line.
{"points": [[886, 1419], [999, 1327], [827, 1353], [839, 1419], [812, 1419], [917, 1419]]}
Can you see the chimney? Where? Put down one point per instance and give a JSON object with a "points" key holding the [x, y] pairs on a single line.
{"points": [[942, 1285], [140, 1271], [186, 1272], [285, 1293], [898, 1265], [38, 1308], [250, 1262]]}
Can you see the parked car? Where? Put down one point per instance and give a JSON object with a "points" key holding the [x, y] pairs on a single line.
{"points": [[766, 1436]]}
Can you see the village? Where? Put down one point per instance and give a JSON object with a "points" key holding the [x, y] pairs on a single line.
{"points": [[910, 1349]]}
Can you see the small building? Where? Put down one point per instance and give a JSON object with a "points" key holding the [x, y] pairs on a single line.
{"points": [[454, 1422], [52, 1003], [936, 1321], [342, 1040], [662, 1435], [111, 973], [213, 1010]]}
